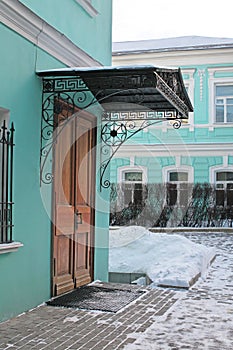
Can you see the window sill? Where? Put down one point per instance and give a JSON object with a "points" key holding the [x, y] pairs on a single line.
{"points": [[10, 247], [223, 123]]}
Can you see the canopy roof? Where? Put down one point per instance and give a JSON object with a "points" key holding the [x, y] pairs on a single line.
{"points": [[131, 88]]}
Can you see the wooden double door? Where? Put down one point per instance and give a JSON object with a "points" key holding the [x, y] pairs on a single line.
{"points": [[74, 198]]}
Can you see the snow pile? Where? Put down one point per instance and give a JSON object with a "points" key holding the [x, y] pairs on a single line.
{"points": [[167, 259]]}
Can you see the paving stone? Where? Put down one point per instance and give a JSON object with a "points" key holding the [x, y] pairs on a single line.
{"points": [[51, 328]]}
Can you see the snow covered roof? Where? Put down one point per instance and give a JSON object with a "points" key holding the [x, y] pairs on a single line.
{"points": [[171, 44]]}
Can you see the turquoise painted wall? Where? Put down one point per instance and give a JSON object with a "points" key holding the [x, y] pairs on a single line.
{"points": [[93, 35], [25, 274]]}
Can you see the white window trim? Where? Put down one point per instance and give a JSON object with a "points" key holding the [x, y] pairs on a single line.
{"points": [[124, 169], [216, 168], [26, 23], [10, 247], [184, 168], [171, 168], [86, 4], [217, 81]]}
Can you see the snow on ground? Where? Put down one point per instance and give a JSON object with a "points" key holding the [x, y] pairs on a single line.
{"points": [[167, 259], [202, 318]]}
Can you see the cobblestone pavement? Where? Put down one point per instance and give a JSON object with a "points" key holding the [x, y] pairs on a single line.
{"points": [[201, 318], [50, 328]]}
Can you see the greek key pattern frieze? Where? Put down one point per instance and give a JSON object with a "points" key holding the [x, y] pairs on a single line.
{"points": [[64, 85], [141, 115]]}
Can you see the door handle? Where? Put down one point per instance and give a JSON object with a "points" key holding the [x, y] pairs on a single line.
{"points": [[79, 217]]}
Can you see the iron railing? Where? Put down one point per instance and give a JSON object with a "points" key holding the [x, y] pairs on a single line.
{"points": [[6, 183]]}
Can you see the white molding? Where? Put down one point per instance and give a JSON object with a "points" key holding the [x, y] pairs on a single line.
{"points": [[132, 160], [10, 247], [214, 70], [86, 4], [121, 170], [178, 160], [23, 21], [175, 150], [170, 58], [225, 160], [185, 168], [215, 168], [213, 126]]}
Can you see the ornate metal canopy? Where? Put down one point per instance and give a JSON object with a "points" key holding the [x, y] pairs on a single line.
{"points": [[132, 98]]}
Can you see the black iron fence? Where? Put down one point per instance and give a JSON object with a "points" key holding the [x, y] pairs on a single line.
{"points": [[6, 182], [201, 207]]}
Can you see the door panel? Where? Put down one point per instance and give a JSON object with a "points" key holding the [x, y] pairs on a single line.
{"points": [[83, 224], [82, 248], [74, 188]]}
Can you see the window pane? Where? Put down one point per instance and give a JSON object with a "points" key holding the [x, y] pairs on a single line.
{"points": [[219, 114], [229, 197], [183, 196], [224, 176], [221, 176], [230, 113], [127, 197], [219, 186], [137, 198], [220, 197], [178, 176], [171, 194], [224, 90], [133, 176]]}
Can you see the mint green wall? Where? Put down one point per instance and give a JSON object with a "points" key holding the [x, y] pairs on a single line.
{"points": [[25, 274], [93, 35]]}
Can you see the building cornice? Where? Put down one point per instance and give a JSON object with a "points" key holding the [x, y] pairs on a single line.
{"points": [[22, 20], [195, 149], [174, 58]]}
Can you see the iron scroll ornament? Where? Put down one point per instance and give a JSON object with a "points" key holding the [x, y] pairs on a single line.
{"points": [[115, 133], [117, 127]]}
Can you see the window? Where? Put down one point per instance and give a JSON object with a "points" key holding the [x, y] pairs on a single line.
{"points": [[220, 97], [6, 178], [224, 188], [177, 189], [224, 103], [133, 189]]}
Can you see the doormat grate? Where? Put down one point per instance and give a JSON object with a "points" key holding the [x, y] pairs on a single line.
{"points": [[96, 298]]}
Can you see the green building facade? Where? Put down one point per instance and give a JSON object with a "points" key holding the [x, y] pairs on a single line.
{"points": [[200, 151]]}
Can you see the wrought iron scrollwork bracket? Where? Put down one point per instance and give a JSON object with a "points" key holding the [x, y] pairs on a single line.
{"points": [[119, 127]]}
